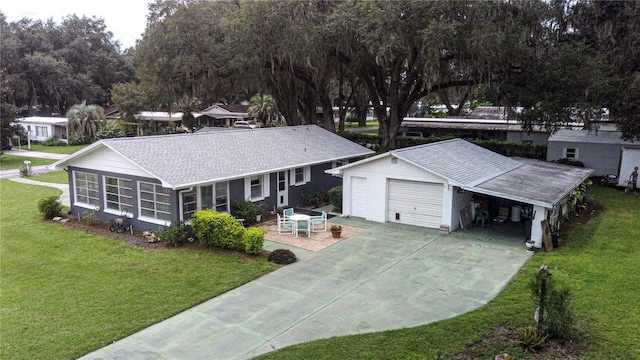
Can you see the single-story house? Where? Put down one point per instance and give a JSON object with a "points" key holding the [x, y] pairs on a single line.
{"points": [[434, 185], [40, 128], [159, 180], [597, 149]]}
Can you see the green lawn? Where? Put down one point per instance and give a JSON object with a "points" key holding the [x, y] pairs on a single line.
{"points": [[355, 124], [69, 149], [59, 177], [16, 162], [599, 261], [65, 293]]}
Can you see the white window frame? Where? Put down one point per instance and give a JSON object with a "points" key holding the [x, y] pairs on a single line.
{"points": [[119, 195], [96, 198], [42, 131], [306, 172], [196, 194], [154, 219], [264, 181], [566, 153], [213, 200]]}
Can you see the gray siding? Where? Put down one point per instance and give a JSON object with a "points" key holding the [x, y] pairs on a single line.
{"points": [[603, 158]]}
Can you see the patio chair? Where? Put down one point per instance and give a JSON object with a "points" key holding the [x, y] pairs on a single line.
{"points": [[287, 213], [482, 216], [503, 214], [319, 223], [304, 226], [284, 226]]}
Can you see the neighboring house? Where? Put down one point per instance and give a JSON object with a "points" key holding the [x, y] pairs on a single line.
{"points": [[434, 185], [217, 116], [599, 150], [473, 128], [44, 128], [159, 180]]}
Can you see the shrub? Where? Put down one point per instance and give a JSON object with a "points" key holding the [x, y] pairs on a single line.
{"points": [[25, 171], [254, 240], [335, 196], [218, 230], [50, 207], [173, 235], [246, 210], [554, 306], [282, 257], [54, 141], [112, 129], [530, 338]]}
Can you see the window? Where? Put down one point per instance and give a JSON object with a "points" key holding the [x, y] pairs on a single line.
{"points": [[118, 195], [215, 197], [86, 188], [571, 153], [222, 197], [154, 201], [301, 175], [256, 187], [42, 131], [189, 204]]}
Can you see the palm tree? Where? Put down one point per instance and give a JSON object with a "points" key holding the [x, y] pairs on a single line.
{"points": [[85, 121], [262, 107], [187, 105]]}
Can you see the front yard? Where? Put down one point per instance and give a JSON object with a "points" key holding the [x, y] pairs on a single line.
{"points": [[65, 293]]}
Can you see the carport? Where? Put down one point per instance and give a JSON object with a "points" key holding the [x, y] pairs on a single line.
{"points": [[433, 185]]}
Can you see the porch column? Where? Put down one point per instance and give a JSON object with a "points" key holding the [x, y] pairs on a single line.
{"points": [[536, 227]]}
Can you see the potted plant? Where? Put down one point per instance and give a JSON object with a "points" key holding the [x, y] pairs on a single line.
{"points": [[336, 230]]}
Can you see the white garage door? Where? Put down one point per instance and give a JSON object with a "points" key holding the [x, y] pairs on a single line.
{"points": [[358, 196], [415, 203]]}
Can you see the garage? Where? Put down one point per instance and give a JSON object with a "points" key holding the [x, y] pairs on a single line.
{"points": [[414, 203]]}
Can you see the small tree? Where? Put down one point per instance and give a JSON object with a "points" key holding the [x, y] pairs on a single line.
{"points": [[554, 314]]}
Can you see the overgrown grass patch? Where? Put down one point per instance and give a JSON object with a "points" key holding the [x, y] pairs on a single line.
{"points": [[66, 293], [598, 260]]}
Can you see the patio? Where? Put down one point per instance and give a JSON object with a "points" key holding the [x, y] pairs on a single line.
{"points": [[316, 242]]}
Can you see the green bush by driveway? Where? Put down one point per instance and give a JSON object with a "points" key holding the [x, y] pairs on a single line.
{"points": [[65, 293]]}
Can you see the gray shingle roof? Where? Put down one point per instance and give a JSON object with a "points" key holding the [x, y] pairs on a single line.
{"points": [[458, 160], [189, 159], [586, 136], [537, 182]]}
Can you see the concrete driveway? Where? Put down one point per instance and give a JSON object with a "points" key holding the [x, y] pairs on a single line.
{"points": [[386, 277]]}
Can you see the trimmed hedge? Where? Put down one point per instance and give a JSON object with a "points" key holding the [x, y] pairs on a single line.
{"points": [[224, 231], [254, 240], [218, 230]]}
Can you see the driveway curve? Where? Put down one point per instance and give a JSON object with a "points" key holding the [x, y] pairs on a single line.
{"points": [[386, 277]]}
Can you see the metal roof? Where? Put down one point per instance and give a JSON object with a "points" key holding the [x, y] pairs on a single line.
{"points": [[588, 137], [189, 159]]}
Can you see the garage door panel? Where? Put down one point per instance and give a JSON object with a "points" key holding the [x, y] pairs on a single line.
{"points": [[414, 203]]}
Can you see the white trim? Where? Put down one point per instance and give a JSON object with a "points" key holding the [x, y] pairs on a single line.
{"points": [[154, 221], [126, 214]]}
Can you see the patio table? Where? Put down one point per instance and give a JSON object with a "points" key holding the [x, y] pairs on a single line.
{"points": [[300, 217]]}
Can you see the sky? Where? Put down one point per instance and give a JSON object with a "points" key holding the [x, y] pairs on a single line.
{"points": [[126, 19]]}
